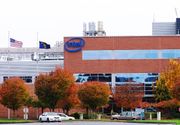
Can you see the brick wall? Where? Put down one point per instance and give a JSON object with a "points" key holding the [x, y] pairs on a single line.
{"points": [[74, 63]]}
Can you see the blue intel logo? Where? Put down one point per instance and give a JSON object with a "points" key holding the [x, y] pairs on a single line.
{"points": [[74, 45]]}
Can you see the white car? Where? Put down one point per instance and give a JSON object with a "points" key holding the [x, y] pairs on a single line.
{"points": [[49, 117], [65, 117]]}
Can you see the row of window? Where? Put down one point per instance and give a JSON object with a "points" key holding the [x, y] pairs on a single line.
{"points": [[145, 81], [27, 79], [119, 77], [130, 54], [93, 77]]}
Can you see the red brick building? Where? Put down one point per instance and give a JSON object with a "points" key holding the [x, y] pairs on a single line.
{"points": [[116, 60], [120, 59]]}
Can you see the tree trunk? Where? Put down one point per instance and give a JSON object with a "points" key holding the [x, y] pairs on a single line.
{"points": [[87, 110], [42, 109], [14, 114], [63, 110], [67, 111]]}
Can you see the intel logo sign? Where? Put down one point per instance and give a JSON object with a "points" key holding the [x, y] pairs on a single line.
{"points": [[74, 45]]}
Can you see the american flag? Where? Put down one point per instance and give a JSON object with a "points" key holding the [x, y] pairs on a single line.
{"points": [[15, 43]]}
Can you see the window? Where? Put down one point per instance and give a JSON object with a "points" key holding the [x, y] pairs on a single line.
{"points": [[5, 78], [130, 54], [93, 77], [136, 77], [142, 81], [27, 79]]}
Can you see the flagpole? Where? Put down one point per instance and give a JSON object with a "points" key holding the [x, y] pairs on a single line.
{"points": [[8, 39], [37, 38], [37, 53], [9, 115], [37, 66], [8, 52]]}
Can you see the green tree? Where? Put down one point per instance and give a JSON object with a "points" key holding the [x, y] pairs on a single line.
{"points": [[165, 86], [94, 94], [167, 90], [162, 92], [52, 87], [13, 93]]}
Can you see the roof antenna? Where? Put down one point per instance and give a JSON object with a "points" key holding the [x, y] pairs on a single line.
{"points": [[153, 17], [176, 12]]}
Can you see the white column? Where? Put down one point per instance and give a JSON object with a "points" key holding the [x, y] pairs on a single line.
{"points": [[113, 82], [150, 116], [158, 115], [9, 115], [81, 116]]}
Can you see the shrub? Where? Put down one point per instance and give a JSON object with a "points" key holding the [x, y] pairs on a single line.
{"points": [[90, 116], [76, 115]]}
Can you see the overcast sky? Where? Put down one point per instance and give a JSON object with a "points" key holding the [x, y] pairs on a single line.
{"points": [[54, 19]]}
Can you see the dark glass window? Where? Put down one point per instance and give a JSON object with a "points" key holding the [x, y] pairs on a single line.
{"points": [[27, 79], [151, 79], [148, 92], [136, 77], [93, 77], [5, 78]]}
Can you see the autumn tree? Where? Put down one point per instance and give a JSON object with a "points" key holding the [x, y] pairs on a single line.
{"points": [[51, 87], [129, 95], [171, 103], [43, 89], [171, 73], [13, 93], [39, 104], [70, 99], [169, 108], [94, 94], [176, 90], [169, 79], [167, 92]]}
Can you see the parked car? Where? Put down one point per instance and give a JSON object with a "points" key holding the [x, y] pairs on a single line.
{"points": [[115, 117], [150, 109], [127, 116], [49, 117], [65, 117], [121, 117]]}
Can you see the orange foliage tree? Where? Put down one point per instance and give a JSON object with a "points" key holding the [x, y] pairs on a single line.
{"points": [[171, 73], [168, 85], [52, 87], [167, 92], [70, 99], [172, 103], [13, 93], [94, 94], [128, 96], [176, 90], [169, 108]]}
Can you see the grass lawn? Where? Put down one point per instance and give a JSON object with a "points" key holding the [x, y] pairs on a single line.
{"points": [[177, 121], [14, 121]]}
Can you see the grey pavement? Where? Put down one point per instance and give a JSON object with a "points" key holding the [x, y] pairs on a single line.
{"points": [[87, 123]]}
